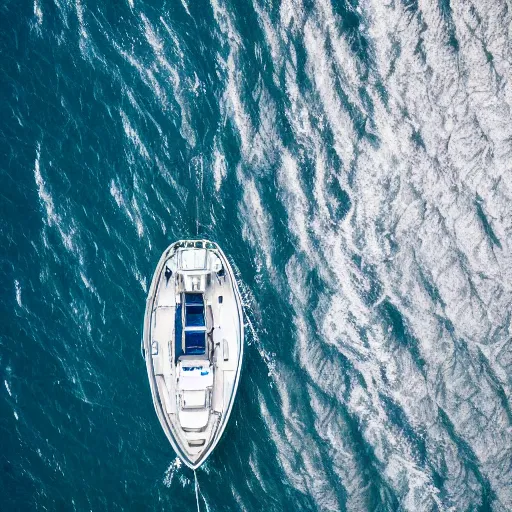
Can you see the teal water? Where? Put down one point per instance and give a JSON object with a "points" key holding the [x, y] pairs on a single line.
{"points": [[354, 161]]}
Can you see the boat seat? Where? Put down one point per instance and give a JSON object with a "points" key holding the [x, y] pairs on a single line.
{"points": [[194, 419], [194, 399], [195, 378]]}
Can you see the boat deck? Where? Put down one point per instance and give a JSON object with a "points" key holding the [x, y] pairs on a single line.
{"points": [[194, 418]]}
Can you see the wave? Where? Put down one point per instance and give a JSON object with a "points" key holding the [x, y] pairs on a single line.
{"points": [[411, 265]]}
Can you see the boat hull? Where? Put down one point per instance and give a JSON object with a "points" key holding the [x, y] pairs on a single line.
{"points": [[170, 425]]}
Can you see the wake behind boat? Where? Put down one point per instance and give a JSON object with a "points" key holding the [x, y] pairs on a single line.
{"points": [[193, 346]]}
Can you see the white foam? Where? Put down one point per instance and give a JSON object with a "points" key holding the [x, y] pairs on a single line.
{"points": [[250, 307], [130, 209], [297, 449], [291, 13], [400, 198], [88, 284], [158, 48], [44, 195], [80, 16], [17, 288], [185, 5], [142, 280], [38, 13], [223, 18], [52, 218], [151, 37], [237, 109], [138, 218], [258, 230], [295, 199], [171, 471], [8, 388], [184, 481], [146, 74], [431, 192], [133, 135], [233, 104], [219, 167], [322, 74], [116, 193], [174, 38], [347, 63], [273, 40]]}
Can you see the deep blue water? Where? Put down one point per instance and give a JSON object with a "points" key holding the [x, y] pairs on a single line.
{"points": [[354, 160]]}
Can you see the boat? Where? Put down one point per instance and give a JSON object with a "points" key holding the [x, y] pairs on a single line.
{"points": [[193, 345]]}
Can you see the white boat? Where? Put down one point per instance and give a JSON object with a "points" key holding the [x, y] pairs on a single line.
{"points": [[193, 346]]}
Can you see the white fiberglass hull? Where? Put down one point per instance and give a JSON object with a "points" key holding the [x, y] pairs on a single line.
{"points": [[193, 346]]}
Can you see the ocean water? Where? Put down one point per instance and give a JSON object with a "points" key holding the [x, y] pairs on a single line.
{"points": [[354, 160]]}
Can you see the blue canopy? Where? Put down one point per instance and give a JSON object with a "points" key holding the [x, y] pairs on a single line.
{"points": [[195, 342], [194, 298], [194, 316]]}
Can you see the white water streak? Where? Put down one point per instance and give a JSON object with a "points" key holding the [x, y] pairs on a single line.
{"points": [[440, 163]]}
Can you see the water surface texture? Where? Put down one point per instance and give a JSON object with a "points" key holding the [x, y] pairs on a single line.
{"points": [[354, 160]]}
